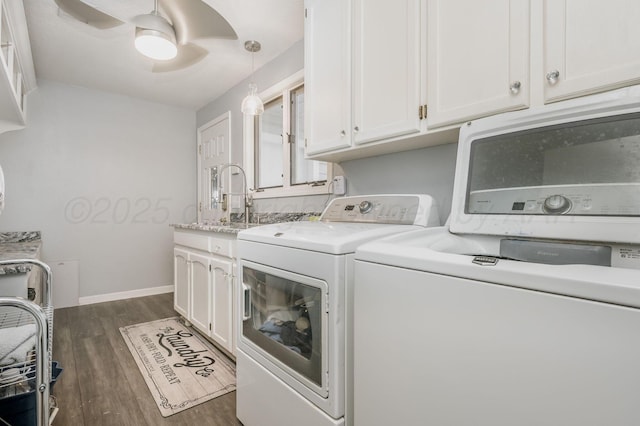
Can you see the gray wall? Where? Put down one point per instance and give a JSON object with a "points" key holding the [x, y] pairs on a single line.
{"points": [[428, 170], [282, 67], [102, 176], [422, 171], [272, 73]]}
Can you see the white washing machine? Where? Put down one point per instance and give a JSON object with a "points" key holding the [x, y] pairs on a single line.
{"points": [[525, 309], [294, 361]]}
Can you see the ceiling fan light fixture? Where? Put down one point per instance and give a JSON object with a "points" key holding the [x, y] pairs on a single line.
{"points": [[155, 44], [155, 37]]}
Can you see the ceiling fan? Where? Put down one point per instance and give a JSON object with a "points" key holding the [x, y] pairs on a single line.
{"points": [[174, 25]]}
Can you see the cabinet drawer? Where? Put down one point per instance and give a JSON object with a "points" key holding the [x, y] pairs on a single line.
{"points": [[211, 243]]}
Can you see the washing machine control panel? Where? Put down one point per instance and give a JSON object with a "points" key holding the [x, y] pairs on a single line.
{"points": [[392, 209], [579, 200]]}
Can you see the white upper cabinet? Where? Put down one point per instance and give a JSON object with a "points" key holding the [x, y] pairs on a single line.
{"points": [[590, 46], [17, 75], [386, 69], [327, 56], [364, 74], [452, 61], [478, 58]]}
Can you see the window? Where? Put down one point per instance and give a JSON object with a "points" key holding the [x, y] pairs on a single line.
{"points": [[274, 146]]}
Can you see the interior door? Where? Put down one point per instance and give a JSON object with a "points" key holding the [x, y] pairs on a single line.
{"points": [[214, 150]]}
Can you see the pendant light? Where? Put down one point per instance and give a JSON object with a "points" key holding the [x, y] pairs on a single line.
{"points": [[155, 37], [252, 104]]}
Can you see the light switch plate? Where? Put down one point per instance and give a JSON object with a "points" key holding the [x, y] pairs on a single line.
{"points": [[339, 185]]}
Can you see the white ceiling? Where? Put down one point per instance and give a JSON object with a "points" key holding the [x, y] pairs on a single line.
{"points": [[72, 52]]}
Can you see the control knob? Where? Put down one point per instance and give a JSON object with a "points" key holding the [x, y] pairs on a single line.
{"points": [[365, 207], [556, 204]]}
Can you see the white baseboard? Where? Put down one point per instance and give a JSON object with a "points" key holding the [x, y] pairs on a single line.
{"points": [[110, 297]]}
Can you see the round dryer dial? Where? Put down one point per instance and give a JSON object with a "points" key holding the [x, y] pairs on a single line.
{"points": [[365, 207], [556, 204]]}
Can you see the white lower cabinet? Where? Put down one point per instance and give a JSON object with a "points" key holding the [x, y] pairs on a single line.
{"points": [[181, 282], [204, 284]]}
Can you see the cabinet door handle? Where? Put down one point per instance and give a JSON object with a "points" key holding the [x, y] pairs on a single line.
{"points": [[515, 87], [356, 129], [553, 77], [343, 133]]}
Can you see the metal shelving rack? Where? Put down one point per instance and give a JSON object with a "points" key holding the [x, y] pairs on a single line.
{"points": [[34, 373]]}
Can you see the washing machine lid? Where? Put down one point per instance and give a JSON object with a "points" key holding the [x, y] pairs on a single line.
{"points": [[478, 258], [321, 236], [567, 171]]}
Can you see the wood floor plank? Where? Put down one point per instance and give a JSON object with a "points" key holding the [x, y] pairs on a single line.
{"points": [[70, 412], [104, 385], [107, 397]]}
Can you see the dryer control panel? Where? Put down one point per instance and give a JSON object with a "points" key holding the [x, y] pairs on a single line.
{"points": [[416, 209]]}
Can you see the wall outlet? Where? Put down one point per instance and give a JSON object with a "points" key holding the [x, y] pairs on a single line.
{"points": [[339, 185]]}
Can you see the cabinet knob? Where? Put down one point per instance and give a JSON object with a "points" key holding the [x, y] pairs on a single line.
{"points": [[515, 87], [356, 129], [343, 133], [553, 77]]}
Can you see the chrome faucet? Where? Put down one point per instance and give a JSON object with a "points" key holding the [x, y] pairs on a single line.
{"points": [[246, 196]]}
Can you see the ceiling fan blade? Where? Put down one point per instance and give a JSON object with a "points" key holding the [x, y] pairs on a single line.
{"points": [[153, 22], [188, 54], [88, 14], [194, 19]]}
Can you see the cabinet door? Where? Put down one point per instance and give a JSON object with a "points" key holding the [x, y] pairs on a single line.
{"points": [[590, 46], [222, 312], [478, 58], [327, 71], [181, 282], [200, 292], [386, 69]]}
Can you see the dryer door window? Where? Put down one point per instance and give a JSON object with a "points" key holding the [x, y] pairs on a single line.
{"points": [[284, 319]]}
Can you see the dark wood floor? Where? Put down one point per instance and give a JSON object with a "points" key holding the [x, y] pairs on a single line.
{"points": [[101, 384]]}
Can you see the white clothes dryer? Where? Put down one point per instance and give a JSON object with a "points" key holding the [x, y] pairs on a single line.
{"points": [[294, 363]]}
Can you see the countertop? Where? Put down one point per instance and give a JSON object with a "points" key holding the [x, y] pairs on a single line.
{"points": [[229, 228], [257, 219], [19, 245]]}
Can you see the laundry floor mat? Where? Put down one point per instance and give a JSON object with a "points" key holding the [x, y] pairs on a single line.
{"points": [[180, 367]]}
